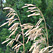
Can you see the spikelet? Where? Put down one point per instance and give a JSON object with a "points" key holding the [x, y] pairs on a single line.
{"points": [[40, 40], [4, 24], [31, 47], [17, 49], [44, 49], [29, 5], [38, 23], [11, 42], [51, 50], [12, 14], [13, 32], [6, 8], [36, 50], [24, 6], [36, 43], [34, 14], [11, 10], [31, 31], [8, 14], [12, 22], [5, 41], [33, 51], [32, 11], [14, 46], [31, 8], [35, 36], [13, 26], [27, 32], [38, 33], [18, 46], [27, 26], [17, 37], [11, 18]]}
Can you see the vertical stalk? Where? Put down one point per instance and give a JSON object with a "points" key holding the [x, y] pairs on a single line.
{"points": [[46, 32], [45, 27], [23, 42], [22, 34]]}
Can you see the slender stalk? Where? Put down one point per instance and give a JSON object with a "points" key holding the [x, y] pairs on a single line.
{"points": [[20, 42], [45, 27], [22, 34], [23, 42], [46, 30]]}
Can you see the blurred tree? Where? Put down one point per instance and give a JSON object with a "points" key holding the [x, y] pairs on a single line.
{"points": [[43, 5], [1, 4]]}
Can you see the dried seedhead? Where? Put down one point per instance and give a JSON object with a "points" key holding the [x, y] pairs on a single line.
{"points": [[11, 18], [33, 32], [36, 31], [32, 8]]}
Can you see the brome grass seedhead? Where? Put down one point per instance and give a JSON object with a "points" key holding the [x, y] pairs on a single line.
{"points": [[34, 33]]}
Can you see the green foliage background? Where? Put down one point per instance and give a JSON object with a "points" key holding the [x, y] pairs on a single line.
{"points": [[46, 7]]}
